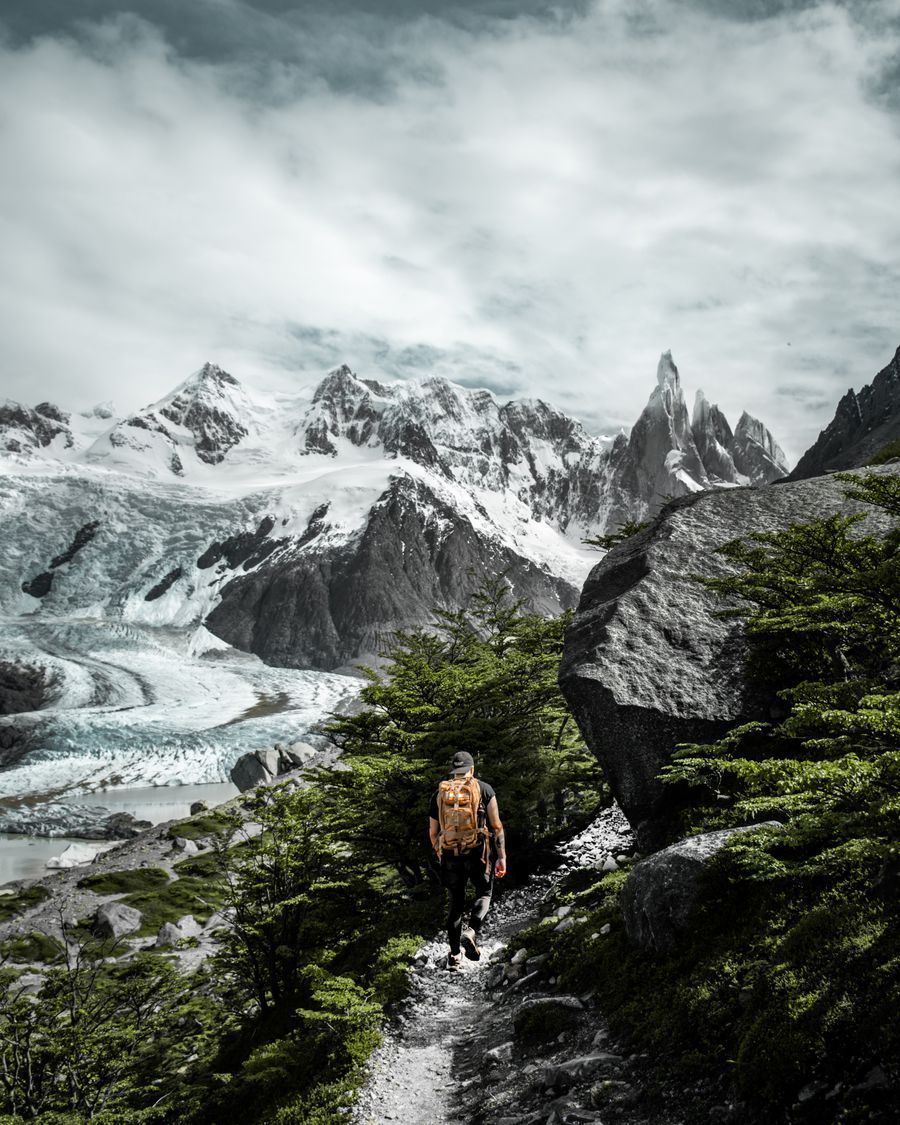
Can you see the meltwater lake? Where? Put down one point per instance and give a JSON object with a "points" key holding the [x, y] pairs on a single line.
{"points": [[25, 857]]}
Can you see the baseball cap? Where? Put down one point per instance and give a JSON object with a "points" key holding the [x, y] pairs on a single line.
{"points": [[461, 762]]}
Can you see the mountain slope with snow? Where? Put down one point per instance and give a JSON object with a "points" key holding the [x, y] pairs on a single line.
{"points": [[330, 520], [303, 530]]}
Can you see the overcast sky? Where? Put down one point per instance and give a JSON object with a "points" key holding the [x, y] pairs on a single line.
{"points": [[536, 197]]}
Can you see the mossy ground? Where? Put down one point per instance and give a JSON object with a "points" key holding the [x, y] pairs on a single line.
{"points": [[32, 948], [18, 903], [188, 895], [203, 824], [126, 882]]}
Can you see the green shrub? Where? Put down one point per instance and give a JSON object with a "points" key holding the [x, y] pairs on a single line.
{"points": [[886, 453], [211, 823]]}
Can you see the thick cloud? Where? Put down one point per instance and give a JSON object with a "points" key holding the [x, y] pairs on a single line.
{"points": [[532, 197]]}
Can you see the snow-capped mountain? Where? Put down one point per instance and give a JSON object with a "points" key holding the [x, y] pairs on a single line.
{"points": [[141, 557], [306, 529]]}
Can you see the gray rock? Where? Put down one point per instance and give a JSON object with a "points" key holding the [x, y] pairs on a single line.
{"points": [[648, 663], [269, 760], [115, 920], [299, 754], [183, 844], [169, 934], [565, 924], [519, 956], [660, 893], [248, 772], [585, 1066], [333, 607], [199, 807], [501, 1053], [189, 926]]}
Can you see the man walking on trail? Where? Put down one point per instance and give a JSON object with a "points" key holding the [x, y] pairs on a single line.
{"points": [[468, 839]]}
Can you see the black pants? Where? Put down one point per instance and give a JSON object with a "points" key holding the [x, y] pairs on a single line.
{"points": [[456, 871]]}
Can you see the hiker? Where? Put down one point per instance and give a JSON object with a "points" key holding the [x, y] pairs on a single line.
{"points": [[468, 840]]}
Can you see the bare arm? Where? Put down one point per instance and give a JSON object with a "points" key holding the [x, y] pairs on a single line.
{"points": [[493, 817], [434, 832]]}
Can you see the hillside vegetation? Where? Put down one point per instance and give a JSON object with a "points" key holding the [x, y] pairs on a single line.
{"points": [[329, 903]]}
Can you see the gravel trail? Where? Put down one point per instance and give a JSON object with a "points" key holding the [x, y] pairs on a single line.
{"points": [[430, 1068]]}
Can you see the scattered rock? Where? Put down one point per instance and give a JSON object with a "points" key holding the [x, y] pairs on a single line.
{"points": [[299, 754], [519, 956], [183, 844], [169, 934], [199, 807], [660, 892], [115, 920]]}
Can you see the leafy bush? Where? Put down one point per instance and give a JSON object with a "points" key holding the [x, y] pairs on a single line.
{"points": [[189, 895], [31, 947]]}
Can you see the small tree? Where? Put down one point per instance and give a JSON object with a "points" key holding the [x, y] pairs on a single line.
{"points": [[485, 682]]}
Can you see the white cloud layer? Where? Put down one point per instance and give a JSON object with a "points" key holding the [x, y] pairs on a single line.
{"points": [[538, 206]]}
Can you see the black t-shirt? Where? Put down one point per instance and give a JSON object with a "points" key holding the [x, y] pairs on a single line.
{"points": [[487, 793]]}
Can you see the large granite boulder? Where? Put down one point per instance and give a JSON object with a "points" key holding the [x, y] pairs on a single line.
{"points": [[648, 664], [661, 891]]}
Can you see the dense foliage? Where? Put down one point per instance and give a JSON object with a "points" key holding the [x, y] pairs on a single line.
{"points": [[327, 900]]}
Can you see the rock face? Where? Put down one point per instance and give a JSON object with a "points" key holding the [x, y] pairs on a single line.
{"points": [[661, 891], [647, 663], [23, 429], [308, 608], [863, 423], [263, 767]]}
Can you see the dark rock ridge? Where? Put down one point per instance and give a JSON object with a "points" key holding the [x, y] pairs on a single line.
{"points": [[469, 436], [647, 663], [209, 412], [670, 453], [41, 584], [864, 422], [326, 607], [22, 688], [23, 428], [202, 406]]}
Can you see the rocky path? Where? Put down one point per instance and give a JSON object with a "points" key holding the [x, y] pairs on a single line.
{"points": [[451, 1056]]}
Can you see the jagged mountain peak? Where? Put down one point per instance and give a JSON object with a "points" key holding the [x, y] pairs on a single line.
{"points": [[667, 373]]}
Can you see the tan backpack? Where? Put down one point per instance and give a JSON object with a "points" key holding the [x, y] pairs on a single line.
{"points": [[459, 801]]}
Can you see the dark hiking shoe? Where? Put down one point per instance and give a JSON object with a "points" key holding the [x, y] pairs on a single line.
{"points": [[467, 940], [454, 962]]}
